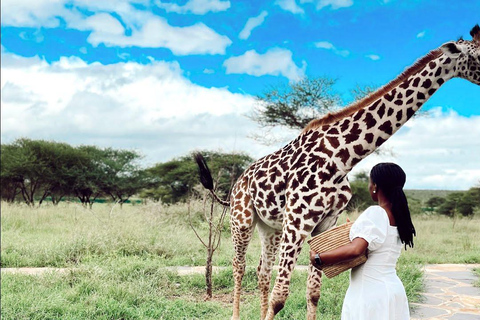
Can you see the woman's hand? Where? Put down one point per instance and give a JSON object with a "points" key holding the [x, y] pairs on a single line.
{"points": [[312, 260]]}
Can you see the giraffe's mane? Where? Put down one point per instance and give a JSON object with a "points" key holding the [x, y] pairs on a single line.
{"points": [[354, 107]]}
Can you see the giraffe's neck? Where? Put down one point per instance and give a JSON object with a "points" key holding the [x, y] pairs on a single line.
{"points": [[360, 133]]}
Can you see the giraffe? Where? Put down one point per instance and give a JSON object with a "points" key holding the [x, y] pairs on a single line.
{"points": [[299, 190]]}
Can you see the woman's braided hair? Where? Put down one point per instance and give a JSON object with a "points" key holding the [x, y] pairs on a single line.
{"points": [[390, 178]]}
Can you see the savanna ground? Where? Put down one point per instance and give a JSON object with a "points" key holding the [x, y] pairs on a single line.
{"points": [[117, 258]]}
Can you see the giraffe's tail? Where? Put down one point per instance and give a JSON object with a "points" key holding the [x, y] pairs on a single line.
{"points": [[206, 177]]}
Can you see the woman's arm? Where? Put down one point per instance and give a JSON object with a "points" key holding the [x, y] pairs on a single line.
{"points": [[347, 252]]}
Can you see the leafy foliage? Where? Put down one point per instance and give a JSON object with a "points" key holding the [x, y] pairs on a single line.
{"points": [[37, 169], [361, 198], [294, 106], [460, 202], [175, 179]]}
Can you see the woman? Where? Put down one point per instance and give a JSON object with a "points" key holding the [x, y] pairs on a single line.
{"points": [[375, 291]]}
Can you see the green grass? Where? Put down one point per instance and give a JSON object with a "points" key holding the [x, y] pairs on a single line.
{"points": [[118, 257]]}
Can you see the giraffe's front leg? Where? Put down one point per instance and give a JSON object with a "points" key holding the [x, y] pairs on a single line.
{"points": [[292, 241], [314, 284]]}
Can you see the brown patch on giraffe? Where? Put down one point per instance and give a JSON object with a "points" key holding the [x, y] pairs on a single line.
{"points": [[279, 186], [427, 83], [309, 198], [380, 141], [410, 112], [271, 199], [387, 127], [369, 137], [314, 136], [414, 69], [381, 110], [399, 115], [354, 134], [370, 120], [327, 190], [359, 150], [311, 183], [416, 82], [390, 95], [334, 142], [359, 115], [343, 154], [323, 148], [374, 105], [405, 84], [332, 131], [389, 112]]}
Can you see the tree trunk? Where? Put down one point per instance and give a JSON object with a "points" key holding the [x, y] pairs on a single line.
{"points": [[208, 274]]}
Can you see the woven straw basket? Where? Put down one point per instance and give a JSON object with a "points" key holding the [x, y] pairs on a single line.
{"points": [[332, 239]]}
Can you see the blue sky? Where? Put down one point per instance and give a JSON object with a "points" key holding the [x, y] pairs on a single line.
{"points": [[166, 77]]}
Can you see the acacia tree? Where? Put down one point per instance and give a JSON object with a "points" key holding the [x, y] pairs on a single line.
{"points": [[174, 180], [87, 186], [9, 179], [26, 165], [294, 106], [122, 175]]}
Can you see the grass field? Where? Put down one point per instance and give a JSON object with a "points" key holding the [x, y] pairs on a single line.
{"points": [[117, 258]]}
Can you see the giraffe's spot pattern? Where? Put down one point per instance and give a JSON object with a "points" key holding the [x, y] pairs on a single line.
{"points": [[303, 184]]}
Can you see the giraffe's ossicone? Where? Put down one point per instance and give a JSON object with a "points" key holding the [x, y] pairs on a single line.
{"points": [[300, 190]]}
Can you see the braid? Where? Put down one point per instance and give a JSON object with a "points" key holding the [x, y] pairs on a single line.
{"points": [[391, 178]]}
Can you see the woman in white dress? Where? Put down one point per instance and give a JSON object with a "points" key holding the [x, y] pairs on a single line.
{"points": [[375, 291]]}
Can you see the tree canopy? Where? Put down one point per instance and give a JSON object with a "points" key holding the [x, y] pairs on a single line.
{"points": [[175, 179]]}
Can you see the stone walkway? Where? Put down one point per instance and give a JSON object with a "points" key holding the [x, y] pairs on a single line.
{"points": [[449, 293]]}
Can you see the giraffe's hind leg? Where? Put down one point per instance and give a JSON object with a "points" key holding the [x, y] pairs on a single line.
{"points": [[270, 243], [242, 224]]}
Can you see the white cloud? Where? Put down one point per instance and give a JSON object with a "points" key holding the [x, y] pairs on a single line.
{"points": [[157, 33], [334, 4], [329, 46], [290, 5], [421, 34], [156, 110], [147, 29], [28, 13], [373, 57], [276, 61], [153, 108], [199, 7], [293, 7], [437, 152], [251, 24]]}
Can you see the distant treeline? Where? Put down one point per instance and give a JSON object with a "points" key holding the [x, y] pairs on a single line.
{"points": [[33, 171]]}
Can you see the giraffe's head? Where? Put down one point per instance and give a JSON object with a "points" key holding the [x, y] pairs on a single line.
{"points": [[466, 54]]}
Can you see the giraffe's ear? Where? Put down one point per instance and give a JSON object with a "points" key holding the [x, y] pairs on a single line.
{"points": [[452, 49], [475, 33]]}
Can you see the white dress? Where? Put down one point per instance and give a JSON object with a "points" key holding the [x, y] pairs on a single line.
{"points": [[375, 291]]}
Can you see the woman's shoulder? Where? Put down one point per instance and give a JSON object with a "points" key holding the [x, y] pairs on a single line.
{"points": [[374, 210], [375, 213]]}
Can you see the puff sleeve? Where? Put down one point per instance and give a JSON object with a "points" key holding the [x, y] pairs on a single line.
{"points": [[371, 225]]}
